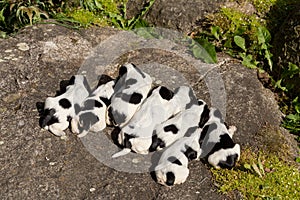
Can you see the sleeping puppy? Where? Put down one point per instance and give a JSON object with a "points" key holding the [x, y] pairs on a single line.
{"points": [[59, 110], [90, 116], [216, 142], [132, 87], [182, 124], [157, 108], [172, 167]]}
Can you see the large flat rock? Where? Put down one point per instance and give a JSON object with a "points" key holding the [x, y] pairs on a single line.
{"points": [[37, 165]]}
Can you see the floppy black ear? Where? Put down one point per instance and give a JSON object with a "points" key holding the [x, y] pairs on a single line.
{"points": [[40, 107], [190, 153], [156, 142], [48, 118], [103, 79], [229, 162]]}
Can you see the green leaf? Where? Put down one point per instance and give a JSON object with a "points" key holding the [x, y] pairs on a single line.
{"points": [[296, 104], [240, 42], [215, 31], [263, 35], [205, 51], [248, 61], [278, 85]]}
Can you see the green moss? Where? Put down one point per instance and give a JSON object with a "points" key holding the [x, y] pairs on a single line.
{"points": [[272, 178], [87, 18]]}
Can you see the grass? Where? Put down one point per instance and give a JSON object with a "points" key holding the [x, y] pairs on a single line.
{"points": [[260, 176]]}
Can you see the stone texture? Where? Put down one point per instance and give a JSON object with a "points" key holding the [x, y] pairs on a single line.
{"points": [[181, 15], [37, 165]]}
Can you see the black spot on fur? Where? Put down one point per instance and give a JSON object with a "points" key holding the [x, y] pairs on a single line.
{"points": [[165, 93], [47, 118], [171, 128], [135, 98], [156, 142], [170, 178], [151, 91], [204, 117], [122, 70], [218, 114], [126, 141], [103, 79], [115, 117], [86, 85], [131, 81], [174, 160], [88, 119], [115, 135], [106, 101], [229, 162], [190, 131], [226, 125], [65, 103], [90, 104], [200, 102], [77, 108], [190, 153], [193, 99], [206, 130], [72, 80], [224, 143]]}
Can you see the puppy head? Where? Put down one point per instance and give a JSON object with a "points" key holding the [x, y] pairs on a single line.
{"points": [[171, 174], [225, 158]]}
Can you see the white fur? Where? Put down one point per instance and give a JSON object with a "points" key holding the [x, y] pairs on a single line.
{"points": [[75, 93], [183, 121], [105, 90], [176, 150], [142, 86], [213, 137], [152, 112]]}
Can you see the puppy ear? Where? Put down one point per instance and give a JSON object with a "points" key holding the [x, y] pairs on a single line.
{"points": [[103, 79], [48, 118], [156, 142], [40, 107]]}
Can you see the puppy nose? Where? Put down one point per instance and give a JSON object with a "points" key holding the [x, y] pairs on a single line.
{"points": [[229, 163]]}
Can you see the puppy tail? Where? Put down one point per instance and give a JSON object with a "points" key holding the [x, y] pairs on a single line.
{"points": [[121, 153]]}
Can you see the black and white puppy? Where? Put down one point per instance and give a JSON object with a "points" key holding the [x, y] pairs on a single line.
{"points": [[131, 89], [182, 124], [59, 110], [216, 142], [157, 108], [90, 116], [172, 167]]}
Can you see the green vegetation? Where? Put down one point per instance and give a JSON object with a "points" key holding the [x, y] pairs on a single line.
{"points": [[74, 14], [248, 36], [260, 177]]}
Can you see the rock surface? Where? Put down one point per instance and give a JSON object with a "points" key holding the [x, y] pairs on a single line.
{"points": [[182, 15], [37, 165]]}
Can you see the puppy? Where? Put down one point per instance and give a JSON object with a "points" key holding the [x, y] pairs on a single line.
{"points": [[182, 124], [59, 110], [91, 115], [157, 108], [131, 89], [216, 142], [172, 167]]}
